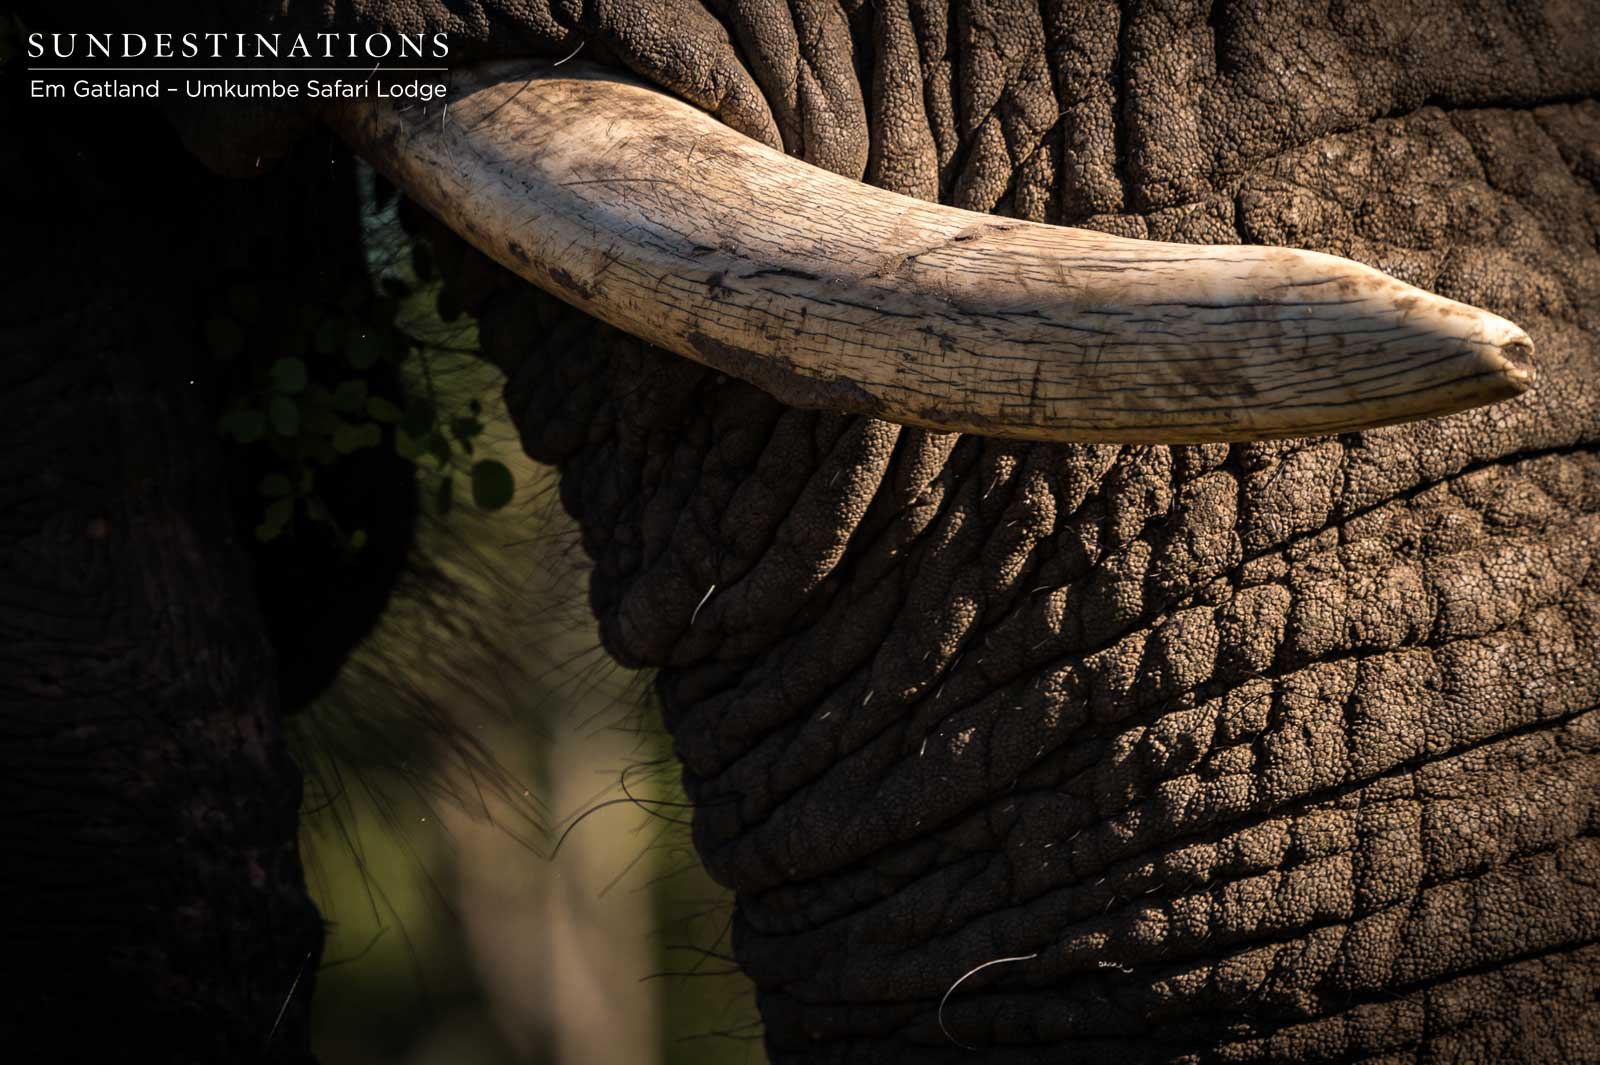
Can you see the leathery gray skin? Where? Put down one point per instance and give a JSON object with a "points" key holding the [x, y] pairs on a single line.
{"points": [[1271, 752], [1255, 752]]}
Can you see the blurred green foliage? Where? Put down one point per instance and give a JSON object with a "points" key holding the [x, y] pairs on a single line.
{"points": [[317, 391], [455, 935]]}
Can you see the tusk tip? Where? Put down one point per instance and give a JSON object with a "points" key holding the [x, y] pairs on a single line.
{"points": [[1508, 366], [1517, 365]]}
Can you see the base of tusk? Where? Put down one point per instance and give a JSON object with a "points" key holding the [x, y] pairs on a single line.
{"points": [[648, 213]]}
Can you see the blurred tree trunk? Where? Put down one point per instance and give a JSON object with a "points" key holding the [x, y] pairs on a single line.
{"points": [[154, 901]]}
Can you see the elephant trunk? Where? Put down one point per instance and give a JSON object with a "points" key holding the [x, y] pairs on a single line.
{"points": [[830, 294]]}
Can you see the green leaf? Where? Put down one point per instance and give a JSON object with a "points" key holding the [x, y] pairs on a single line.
{"points": [[405, 446], [245, 426], [330, 336], [445, 494], [288, 377], [285, 416], [308, 480], [224, 336], [492, 484], [381, 410], [418, 420], [275, 520], [275, 486], [348, 438], [317, 511], [366, 348], [351, 395], [357, 540]]}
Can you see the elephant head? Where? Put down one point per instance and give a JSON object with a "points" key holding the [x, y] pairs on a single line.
{"points": [[1032, 703]]}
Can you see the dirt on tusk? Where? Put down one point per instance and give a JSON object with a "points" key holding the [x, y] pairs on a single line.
{"points": [[648, 213]]}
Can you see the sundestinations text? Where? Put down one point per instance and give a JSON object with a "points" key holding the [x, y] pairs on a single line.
{"points": [[238, 45]]}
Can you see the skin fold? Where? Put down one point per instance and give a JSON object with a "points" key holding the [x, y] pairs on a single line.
{"points": [[1268, 751], [1261, 751]]}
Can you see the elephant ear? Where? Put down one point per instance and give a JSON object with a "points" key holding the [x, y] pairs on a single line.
{"points": [[654, 216]]}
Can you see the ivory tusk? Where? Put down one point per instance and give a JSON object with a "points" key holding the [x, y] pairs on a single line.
{"points": [[648, 213]]}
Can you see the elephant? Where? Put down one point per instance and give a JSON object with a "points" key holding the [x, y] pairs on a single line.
{"points": [[1110, 740]]}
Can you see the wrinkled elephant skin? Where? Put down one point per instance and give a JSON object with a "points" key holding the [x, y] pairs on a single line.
{"points": [[1276, 751]]}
